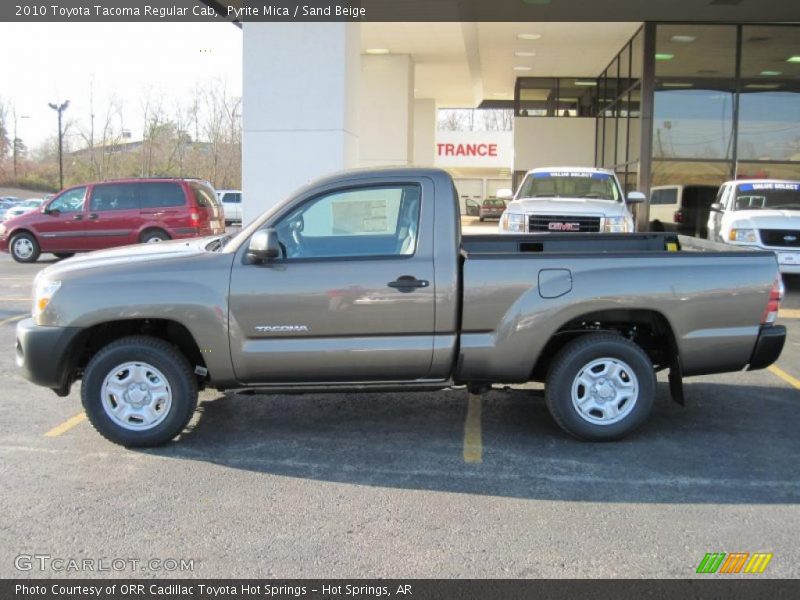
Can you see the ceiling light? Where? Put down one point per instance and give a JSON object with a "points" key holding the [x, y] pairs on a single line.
{"points": [[528, 36], [377, 51], [683, 39], [521, 68], [762, 86], [524, 54], [675, 84], [794, 59], [586, 83], [664, 56], [500, 94], [771, 73]]}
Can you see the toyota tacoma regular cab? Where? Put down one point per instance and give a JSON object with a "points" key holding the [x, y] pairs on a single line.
{"points": [[569, 199], [361, 281]]}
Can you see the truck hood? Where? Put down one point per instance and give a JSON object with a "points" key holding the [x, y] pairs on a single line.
{"points": [[766, 219], [128, 255], [568, 206]]}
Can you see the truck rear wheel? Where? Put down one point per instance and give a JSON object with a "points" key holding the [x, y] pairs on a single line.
{"points": [[139, 391], [600, 387]]}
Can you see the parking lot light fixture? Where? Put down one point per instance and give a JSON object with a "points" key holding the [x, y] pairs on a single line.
{"points": [[60, 108]]}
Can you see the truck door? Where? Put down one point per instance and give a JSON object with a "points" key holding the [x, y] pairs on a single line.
{"points": [[352, 297]]}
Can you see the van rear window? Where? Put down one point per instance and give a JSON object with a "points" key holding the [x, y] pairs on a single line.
{"points": [[154, 195], [204, 195]]}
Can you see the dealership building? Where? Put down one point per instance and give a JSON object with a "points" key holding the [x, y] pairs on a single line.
{"points": [[660, 103]]}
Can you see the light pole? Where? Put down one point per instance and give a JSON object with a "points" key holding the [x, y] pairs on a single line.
{"points": [[17, 140], [60, 108]]}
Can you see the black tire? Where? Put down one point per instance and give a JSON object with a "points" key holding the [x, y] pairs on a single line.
{"points": [[566, 367], [63, 255], [153, 235], [161, 355], [15, 250], [480, 219]]}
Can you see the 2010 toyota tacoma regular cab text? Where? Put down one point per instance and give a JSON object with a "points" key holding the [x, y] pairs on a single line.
{"points": [[361, 281]]}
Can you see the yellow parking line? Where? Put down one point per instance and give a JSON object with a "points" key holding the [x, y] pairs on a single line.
{"points": [[793, 381], [473, 438], [15, 318], [66, 425], [789, 313]]}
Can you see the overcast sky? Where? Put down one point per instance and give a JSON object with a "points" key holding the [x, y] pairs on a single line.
{"points": [[53, 62]]}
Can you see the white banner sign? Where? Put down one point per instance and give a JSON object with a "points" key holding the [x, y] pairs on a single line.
{"points": [[493, 149]]}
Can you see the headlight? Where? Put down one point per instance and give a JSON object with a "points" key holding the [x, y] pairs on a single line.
{"points": [[743, 235], [617, 225], [42, 295], [512, 222]]}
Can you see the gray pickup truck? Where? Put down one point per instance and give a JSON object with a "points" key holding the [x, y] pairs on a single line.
{"points": [[362, 281]]}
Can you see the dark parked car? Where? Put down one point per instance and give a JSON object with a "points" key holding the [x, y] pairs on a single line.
{"points": [[492, 208], [114, 213]]}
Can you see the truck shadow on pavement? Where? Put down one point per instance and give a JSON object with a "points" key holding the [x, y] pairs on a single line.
{"points": [[733, 444]]}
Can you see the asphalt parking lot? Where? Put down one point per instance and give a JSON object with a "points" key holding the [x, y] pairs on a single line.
{"points": [[402, 485]]}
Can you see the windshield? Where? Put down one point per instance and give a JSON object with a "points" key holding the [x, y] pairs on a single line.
{"points": [[570, 184], [775, 195]]}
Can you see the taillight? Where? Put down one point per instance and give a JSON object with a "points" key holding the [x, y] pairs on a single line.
{"points": [[774, 302], [679, 216], [195, 218]]}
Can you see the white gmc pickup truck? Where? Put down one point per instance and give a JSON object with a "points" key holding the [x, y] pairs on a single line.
{"points": [[569, 199]]}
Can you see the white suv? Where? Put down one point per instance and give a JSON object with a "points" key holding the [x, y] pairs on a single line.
{"points": [[763, 213], [231, 205], [569, 199]]}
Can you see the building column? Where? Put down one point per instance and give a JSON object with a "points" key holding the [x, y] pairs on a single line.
{"points": [[299, 107], [424, 132], [386, 105]]}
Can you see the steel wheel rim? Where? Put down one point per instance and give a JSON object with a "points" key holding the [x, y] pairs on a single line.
{"points": [[605, 391], [153, 240], [136, 396], [23, 248]]}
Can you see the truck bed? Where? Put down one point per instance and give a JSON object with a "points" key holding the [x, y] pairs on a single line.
{"points": [[519, 291], [592, 243]]}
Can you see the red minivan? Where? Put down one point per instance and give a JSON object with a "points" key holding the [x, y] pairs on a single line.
{"points": [[114, 213]]}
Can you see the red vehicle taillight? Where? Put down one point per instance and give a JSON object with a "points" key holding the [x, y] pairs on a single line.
{"points": [[195, 218], [774, 302], [679, 216]]}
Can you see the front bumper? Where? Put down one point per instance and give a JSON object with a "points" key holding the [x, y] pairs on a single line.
{"points": [[43, 354], [768, 346]]}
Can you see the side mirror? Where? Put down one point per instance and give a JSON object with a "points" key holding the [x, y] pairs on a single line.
{"points": [[264, 246], [54, 212], [504, 194], [716, 207], [635, 198]]}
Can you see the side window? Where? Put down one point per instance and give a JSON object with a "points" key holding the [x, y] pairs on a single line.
{"points": [[375, 221], [160, 194], [113, 196], [665, 196], [232, 198], [69, 201]]}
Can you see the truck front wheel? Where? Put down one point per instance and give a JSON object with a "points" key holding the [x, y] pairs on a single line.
{"points": [[600, 387], [139, 391]]}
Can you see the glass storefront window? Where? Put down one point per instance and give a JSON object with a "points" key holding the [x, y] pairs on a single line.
{"points": [[634, 124], [676, 172], [769, 104], [610, 142], [694, 91]]}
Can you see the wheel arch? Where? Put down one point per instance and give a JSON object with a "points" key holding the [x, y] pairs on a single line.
{"points": [[646, 327], [99, 335]]}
